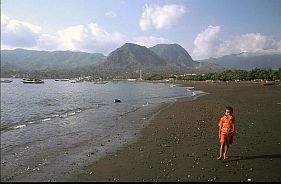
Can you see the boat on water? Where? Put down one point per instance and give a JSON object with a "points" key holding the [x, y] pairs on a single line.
{"points": [[100, 82], [117, 100], [61, 79], [33, 81], [6, 81], [76, 80]]}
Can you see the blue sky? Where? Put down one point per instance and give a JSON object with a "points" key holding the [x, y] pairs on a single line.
{"points": [[205, 28]]}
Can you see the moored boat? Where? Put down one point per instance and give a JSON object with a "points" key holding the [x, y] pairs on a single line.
{"points": [[100, 82], [33, 81]]}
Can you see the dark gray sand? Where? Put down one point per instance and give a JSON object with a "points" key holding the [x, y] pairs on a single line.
{"points": [[181, 143]]}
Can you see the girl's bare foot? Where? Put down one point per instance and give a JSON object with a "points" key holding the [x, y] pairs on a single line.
{"points": [[225, 157], [219, 158]]}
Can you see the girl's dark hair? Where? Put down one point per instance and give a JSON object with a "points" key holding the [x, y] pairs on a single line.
{"points": [[229, 108]]}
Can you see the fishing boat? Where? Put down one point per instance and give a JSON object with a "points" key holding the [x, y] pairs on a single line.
{"points": [[117, 100], [76, 80], [100, 82], [33, 81]]}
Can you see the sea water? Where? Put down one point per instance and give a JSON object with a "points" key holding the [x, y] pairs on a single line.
{"points": [[50, 131]]}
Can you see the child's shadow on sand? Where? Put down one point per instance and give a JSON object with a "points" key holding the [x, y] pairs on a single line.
{"points": [[252, 157]]}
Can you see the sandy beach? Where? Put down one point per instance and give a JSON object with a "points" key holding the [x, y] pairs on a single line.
{"points": [[181, 143]]}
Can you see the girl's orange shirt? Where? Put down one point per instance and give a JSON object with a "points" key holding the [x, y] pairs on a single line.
{"points": [[227, 125]]}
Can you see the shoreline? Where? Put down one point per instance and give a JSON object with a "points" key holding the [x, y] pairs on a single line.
{"points": [[180, 143], [137, 119]]}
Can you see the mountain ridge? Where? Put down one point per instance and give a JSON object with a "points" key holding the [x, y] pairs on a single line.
{"points": [[22, 59], [131, 57], [174, 53], [248, 60]]}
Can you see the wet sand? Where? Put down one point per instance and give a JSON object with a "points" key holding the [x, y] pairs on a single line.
{"points": [[181, 143]]}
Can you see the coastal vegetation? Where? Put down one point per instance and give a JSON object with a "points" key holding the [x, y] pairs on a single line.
{"points": [[235, 75], [226, 75]]}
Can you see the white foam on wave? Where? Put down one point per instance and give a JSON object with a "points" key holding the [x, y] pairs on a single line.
{"points": [[19, 126], [63, 116], [47, 119], [189, 88], [145, 104], [72, 113]]}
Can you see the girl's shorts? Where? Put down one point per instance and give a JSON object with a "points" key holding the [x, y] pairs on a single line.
{"points": [[226, 138]]}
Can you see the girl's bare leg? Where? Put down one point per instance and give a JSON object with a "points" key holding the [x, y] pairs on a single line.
{"points": [[221, 150], [225, 151]]}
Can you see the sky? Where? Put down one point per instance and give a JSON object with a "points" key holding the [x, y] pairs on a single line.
{"points": [[205, 28]]}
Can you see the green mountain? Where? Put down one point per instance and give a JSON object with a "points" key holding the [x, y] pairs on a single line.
{"points": [[174, 54], [21, 59], [167, 58], [160, 58], [132, 57]]}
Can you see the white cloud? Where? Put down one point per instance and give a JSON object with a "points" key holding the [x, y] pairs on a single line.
{"points": [[47, 42], [160, 16], [251, 42], [111, 14], [89, 38], [208, 44], [150, 41], [18, 33]]}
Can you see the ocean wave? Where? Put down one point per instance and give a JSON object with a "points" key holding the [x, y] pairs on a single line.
{"points": [[71, 114], [193, 93], [19, 126], [145, 104], [37, 120], [189, 87], [133, 109], [46, 119]]}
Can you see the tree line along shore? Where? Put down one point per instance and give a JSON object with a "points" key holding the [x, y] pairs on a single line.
{"points": [[226, 75]]}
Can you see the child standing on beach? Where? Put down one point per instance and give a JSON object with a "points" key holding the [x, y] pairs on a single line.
{"points": [[226, 132]]}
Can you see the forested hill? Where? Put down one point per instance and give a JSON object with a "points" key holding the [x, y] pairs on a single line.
{"points": [[21, 59], [174, 54]]}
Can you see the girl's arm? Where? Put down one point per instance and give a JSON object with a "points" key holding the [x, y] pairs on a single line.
{"points": [[234, 130], [220, 125], [219, 132], [233, 127]]}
